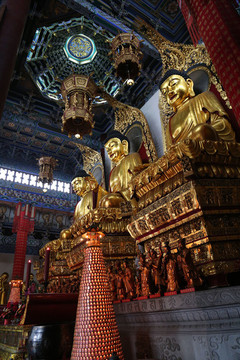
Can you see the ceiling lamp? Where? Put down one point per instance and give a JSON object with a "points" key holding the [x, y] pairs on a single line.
{"points": [[78, 92], [46, 166], [127, 56]]}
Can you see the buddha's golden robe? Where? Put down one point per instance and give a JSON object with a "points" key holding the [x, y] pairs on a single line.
{"points": [[123, 173], [203, 108], [89, 201]]}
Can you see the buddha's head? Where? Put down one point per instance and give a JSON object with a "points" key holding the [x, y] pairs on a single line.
{"points": [[83, 183], [177, 88], [117, 146]]}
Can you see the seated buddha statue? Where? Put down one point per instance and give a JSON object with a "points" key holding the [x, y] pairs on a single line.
{"points": [[86, 186], [118, 147], [199, 117]]}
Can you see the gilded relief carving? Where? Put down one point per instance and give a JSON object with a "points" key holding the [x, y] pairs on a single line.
{"points": [[165, 210], [125, 116], [91, 158]]}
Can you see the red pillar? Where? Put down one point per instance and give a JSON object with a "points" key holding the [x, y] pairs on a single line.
{"points": [[23, 224], [219, 25], [190, 22], [11, 30], [19, 256]]}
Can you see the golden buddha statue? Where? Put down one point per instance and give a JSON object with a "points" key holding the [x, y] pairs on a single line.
{"points": [[118, 146], [199, 117], [86, 186]]}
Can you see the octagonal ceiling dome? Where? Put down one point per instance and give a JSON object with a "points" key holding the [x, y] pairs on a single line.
{"points": [[80, 49], [74, 46]]}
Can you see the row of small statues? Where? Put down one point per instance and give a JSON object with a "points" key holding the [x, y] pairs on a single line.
{"points": [[64, 285], [155, 273], [61, 285], [5, 287]]}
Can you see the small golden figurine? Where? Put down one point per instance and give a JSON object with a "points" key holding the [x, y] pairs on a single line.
{"points": [[138, 286], [120, 289], [155, 273], [200, 117], [161, 269], [169, 269], [32, 285], [128, 280], [172, 283], [118, 147], [145, 276], [185, 263], [112, 282], [147, 254]]}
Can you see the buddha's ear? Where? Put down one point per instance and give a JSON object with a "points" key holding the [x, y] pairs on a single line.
{"points": [[190, 87], [125, 147]]}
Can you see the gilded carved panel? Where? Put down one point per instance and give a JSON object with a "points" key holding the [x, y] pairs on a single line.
{"points": [[113, 247], [166, 213]]}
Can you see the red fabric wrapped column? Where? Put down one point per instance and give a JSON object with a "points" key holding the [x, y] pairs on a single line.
{"points": [[190, 22], [219, 25], [23, 224], [21, 244]]}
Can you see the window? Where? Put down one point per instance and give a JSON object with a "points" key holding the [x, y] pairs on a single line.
{"points": [[10, 175], [32, 180], [18, 176], [60, 186], [67, 188], [25, 179], [54, 185], [3, 173]]}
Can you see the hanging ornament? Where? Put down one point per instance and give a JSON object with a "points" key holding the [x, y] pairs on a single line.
{"points": [[126, 55], [46, 166], [78, 92]]}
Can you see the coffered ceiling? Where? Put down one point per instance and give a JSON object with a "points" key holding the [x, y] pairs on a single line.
{"points": [[31, 122]]}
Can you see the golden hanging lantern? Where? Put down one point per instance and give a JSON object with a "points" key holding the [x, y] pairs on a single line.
{"points": [[46, 166], [127, 56], [78, 92]]}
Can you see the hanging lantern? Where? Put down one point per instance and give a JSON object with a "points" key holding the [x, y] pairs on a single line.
{"points": [[46, 166], [127, 56], [78, 92]]}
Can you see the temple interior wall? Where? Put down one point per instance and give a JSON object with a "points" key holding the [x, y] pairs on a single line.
{"points": [[152, 114], [194, 326], [6, 264]]}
